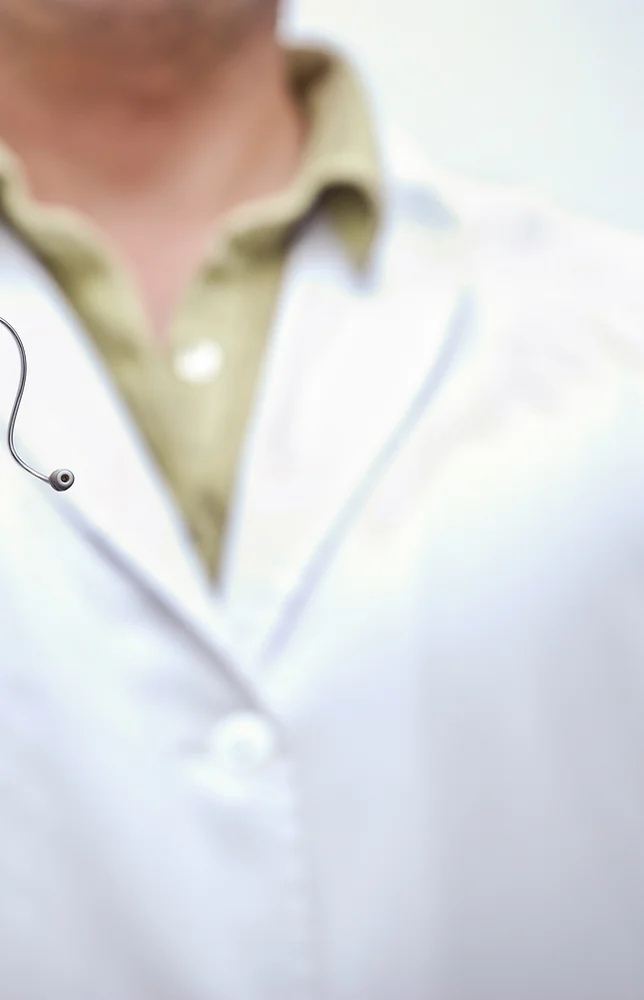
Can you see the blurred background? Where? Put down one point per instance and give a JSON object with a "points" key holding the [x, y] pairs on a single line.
{"points": [[545, 93]]}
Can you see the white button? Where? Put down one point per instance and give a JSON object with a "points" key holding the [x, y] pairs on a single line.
{"points": [[200, 364], [244, 741], [240, 748]]}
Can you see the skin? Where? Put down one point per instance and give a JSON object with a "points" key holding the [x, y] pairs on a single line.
{"points": [[154, 118]]}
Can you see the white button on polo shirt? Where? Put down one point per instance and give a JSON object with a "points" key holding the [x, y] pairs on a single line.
{"points": [[199, 364]]}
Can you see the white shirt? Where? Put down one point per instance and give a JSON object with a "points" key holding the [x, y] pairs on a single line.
{"points": [[401, 754]]}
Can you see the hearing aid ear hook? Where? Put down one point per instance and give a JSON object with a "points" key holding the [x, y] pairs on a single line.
{"points": [[60, 480]]}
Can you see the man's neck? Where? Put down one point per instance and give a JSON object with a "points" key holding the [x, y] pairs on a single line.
{"points": [[169, 130], [153, 152]]}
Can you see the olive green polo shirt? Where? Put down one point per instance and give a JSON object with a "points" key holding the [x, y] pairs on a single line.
{"points": [[192, 395]]}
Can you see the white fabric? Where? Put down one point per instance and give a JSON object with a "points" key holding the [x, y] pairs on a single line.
{"points": [[401, 755]]}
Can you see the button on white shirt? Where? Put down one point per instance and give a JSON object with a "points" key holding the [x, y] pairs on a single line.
{"points": [[243, 743], [199, 364], [240, 748]]}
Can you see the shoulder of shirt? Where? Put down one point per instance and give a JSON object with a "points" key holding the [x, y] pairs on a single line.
{"points": [[502, 215], [517, 237]]}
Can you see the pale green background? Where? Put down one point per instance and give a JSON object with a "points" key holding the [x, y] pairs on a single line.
{"points": [[549, 93]]}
